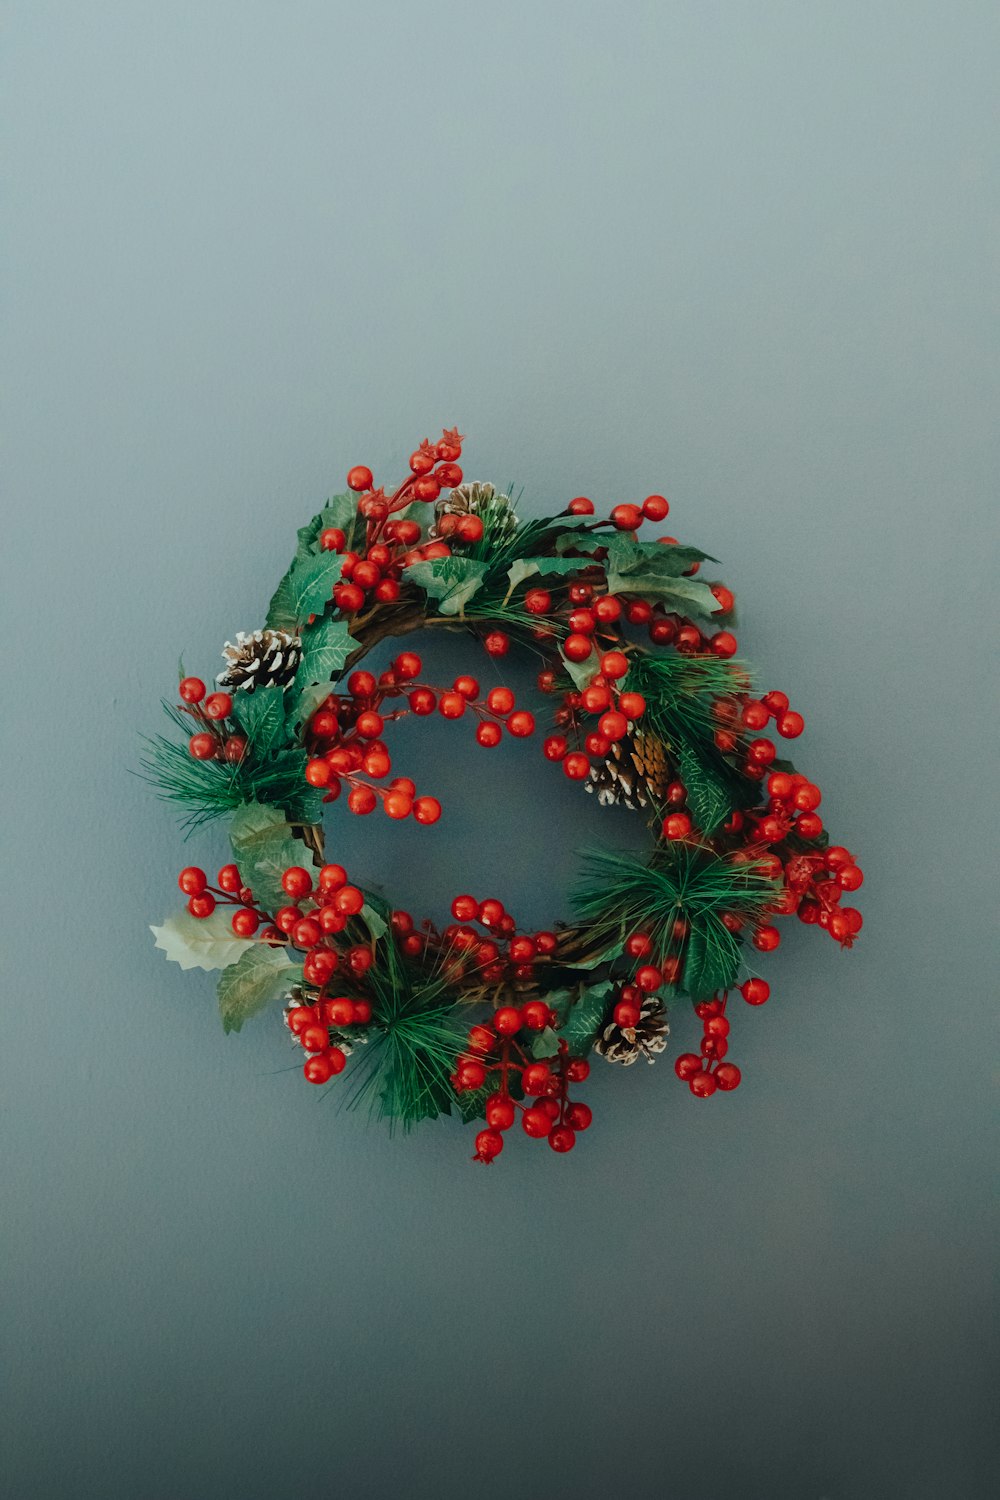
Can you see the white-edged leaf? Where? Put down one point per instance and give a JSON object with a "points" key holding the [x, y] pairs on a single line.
{"points": [[201, 942], [452, 581], [262, 975]]}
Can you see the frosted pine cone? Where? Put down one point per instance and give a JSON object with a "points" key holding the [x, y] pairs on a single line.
{"points": [[266, 658], [624, 1044], [635, 772]]}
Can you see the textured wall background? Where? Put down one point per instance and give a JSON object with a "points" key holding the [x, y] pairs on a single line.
{"points": [[739, 252]]}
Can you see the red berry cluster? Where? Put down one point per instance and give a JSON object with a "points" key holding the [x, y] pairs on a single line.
{"points": [[229, 890], [503, 956], [704, 1074], [493, 1050], [213, 739]]}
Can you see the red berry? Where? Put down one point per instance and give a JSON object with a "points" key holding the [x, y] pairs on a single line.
{"points": [[497, 643], [191, 689], [607, 609], [562, 1138], [576, 765], [655, 507], [465, 908], [422, 701], [579, 1116], [538, 601], [727, 1076], [627, 517], [507, 1020], [648, 978], [427, 810], [318, 772], [536, 1122], [614, 664], [500, 1113], [488, 734], [359, 478], [536, 1015], [687, 1065], [500, 700], [702, 1085], [577, 1069], [755, 991], [850, 878], [332, 877], [245, 922], [235, 748], [626, 1014], [632, 705], [581, 506], [790, 724], [397, 804], [809, 825], [676, 826], [318, 1069], [218, 706], [362, 800], [332, 539], [766, 939], [724, 598], [613, 725], [724, 643], [521, 724], [348, 597], [296, 882], [576, 647], [192, 881], [203, 746], [775, 703], [201, 906], [536, 1078], [349, 900]]}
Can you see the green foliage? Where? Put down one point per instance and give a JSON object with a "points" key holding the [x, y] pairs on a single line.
{"points": [[451, 581], [620, 894], [709, 792], [200, 942], [527, 567], [582, 1013], [326, 645], [261, 715], [261, 976], [305, 590], [655, 572], [264, 847], [340, 511]]}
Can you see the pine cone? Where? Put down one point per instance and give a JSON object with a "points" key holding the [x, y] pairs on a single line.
{"points": [[478, 498], [624, 1044], [635, 772], [267, 658]]}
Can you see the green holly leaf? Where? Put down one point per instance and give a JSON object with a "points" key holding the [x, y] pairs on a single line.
{"points": [[656, 572], [200, 942], [265, 847], [712, 958], [376, 924], [262, 717], [590, 541], [340, 511], [527, 567], [708, 793], [262, 975], [452, 581], [305, 590], [325, 648], [582, 1012]]}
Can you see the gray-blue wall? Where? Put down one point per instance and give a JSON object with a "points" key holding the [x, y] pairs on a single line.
{"points": [[737, 252]]}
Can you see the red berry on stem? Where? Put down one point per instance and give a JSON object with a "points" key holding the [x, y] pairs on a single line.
{"points": [[203, 746], [755, 991], [776, 703], [627, 517], [687, 1065], [497, 643], [766, 939], [488, 734], [218, 706], [359, 478], [702, 1085], [655, 507], [536, 1122], [500, 700], [577, 647], [192, 881], [427, 810], [562, 1138], [724, 644], [521, 724], [576, 765], [507, 1020], [201, 906], [245, 922], [500, 1113], [296, 882], [191, 689], [677, 826]]}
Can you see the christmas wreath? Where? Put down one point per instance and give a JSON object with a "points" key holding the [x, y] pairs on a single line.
{"points": [[649, 707]]}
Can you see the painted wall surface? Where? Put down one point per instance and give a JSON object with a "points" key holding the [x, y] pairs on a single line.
{"points": [[740, 253]]}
